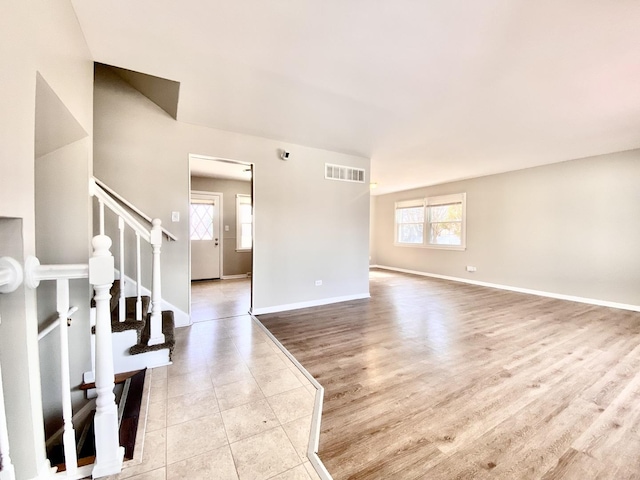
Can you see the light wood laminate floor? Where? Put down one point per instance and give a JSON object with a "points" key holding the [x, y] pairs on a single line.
{"points": [[442, 380]]}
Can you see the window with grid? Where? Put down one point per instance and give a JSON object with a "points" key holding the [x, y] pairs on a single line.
{"points": [[244, 223], [201, 220], [435, 222]]}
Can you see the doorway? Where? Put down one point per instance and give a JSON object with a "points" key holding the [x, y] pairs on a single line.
{"points": [[221, 246]]}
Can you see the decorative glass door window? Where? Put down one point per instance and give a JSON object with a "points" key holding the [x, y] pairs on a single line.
{"points": [[201, 221]]}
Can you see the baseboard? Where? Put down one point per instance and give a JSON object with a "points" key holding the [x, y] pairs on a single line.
{"points": [[312, 303], [540, 293], [180, 317], [233, 277], [314, 434]]}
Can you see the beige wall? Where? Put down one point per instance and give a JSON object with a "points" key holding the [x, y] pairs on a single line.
{"points": [[63, 236], [569, 228], [306, 228], [35, 36], [233, 263]]}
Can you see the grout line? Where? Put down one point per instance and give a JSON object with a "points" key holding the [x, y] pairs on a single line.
{"points": [[314, 440]]}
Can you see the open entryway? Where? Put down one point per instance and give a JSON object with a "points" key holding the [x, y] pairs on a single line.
{"points": [[221, 246]]}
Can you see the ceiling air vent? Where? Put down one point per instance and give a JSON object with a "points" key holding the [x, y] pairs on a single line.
{"points": [[343, 173]]}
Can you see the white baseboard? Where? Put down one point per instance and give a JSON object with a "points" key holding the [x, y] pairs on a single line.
{"points": [[180, 317], [540, 293], [312, 303], [233, 277]]}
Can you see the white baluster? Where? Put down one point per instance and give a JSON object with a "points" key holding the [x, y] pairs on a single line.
{"points": [[101, 204], [138, 280], [109, 454], [8, 472], [121, 300], [69, 435], [155, 332]]}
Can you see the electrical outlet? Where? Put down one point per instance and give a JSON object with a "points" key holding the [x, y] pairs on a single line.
{"points": [[226, 228], [471, 268], [318, 283]]}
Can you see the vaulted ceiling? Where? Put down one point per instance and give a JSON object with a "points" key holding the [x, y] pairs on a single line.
{"points": [[430, 90]]}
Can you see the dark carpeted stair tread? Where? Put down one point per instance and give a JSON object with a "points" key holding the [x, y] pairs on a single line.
{"points": [[168, 328], [130, 308], [124, 326], [115, 294]]}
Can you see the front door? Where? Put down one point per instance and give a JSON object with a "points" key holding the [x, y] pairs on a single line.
{"points": [[205, 237]]}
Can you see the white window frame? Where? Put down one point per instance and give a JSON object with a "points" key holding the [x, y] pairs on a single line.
{"points": [[242, 199], [426, 229]]}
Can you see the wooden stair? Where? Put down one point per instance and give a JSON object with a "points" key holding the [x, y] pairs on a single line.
{"points": [[129, 405]]}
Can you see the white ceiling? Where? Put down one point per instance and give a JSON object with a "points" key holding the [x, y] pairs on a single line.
{"points": [[431, 91], [217, 168]]}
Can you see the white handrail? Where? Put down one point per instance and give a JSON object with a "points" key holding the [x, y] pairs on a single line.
{"points": [[108, 201], [131, 206], [10, 274]]}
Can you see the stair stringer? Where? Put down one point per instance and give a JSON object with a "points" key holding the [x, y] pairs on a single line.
{"points": [[123, 361]]}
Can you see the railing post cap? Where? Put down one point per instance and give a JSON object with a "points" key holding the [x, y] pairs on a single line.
{"points": [[156, 222], [101, 243]]}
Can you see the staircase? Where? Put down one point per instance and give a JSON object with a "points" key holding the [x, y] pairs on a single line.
{"points": [[131, 349], [129, 392]]}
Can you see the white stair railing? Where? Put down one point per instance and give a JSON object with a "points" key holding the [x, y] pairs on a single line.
{"points": [[110, 200], [100, 272], [10, 279]]}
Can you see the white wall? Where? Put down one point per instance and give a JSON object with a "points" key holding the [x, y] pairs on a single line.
{"points": [[569, 228], [35, 36], [306, 228]]}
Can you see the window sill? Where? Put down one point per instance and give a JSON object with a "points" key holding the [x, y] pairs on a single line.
{"points": [[458, 248], [243, 250]]}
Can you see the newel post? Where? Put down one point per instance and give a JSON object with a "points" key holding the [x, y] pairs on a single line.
{"points": [[155, 331], [109, 453]]}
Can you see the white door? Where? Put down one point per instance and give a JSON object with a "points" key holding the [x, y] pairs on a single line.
{"points": [[205, 237]]}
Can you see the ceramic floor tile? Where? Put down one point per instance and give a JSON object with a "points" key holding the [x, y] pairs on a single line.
{"points": [[215, 464], [298, 432], [291, 405], [153, 456], [238, 393], [184, 366], [231, 374], [194, 437], [249, 419], [158, 372], [158, 394], [296, 473], [299, 375], [159, 474], [191, 406], [189, 383], [157, 416], [255, 350], [311, 389], [265, 363], [311, 471], [264, 455], [277, 381]]}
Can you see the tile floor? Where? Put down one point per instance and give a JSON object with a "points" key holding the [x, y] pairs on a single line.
{"points": [[212, 299], [232, 406]]}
